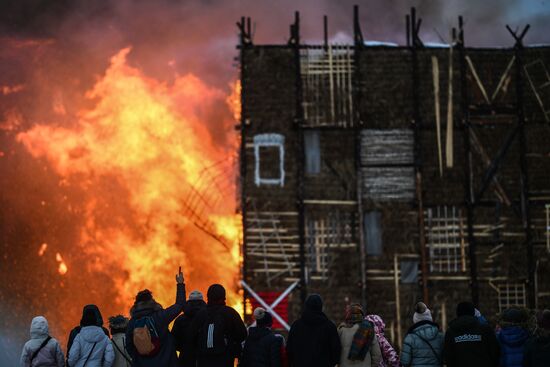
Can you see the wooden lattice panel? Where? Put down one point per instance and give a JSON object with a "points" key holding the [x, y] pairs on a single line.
{"points": [[445, 239], [324, 235], [511, 295], [327, 86]]}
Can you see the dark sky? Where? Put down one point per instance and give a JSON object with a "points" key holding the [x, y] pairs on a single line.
{"points": [[200, 36]]}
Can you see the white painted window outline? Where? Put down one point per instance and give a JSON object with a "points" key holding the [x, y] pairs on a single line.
{"points": [[269, 140], [511, 295]]}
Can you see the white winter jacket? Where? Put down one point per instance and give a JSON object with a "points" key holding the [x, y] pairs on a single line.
{"points": [[121, 359], [50, 355], [102, 354]]}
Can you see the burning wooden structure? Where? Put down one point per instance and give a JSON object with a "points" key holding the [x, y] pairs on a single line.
{"points": [[391, 174]]}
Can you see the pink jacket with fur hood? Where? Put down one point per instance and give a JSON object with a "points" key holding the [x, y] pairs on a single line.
{"points": [[390, 358]]}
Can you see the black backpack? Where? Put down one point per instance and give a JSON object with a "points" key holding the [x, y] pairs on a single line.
{"points": [[212, 334]]}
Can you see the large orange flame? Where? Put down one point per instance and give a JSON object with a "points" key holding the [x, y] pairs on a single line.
{"points": [[158, 192]]}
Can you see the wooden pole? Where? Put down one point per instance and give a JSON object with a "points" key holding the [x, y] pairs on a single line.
{"points": [[449, 143], [325, 31], [300, 155], [356, 123], [242, 156], [417, 117], [524, 174], [468, 193], [408, 25], [397, 299], [435, 77]]}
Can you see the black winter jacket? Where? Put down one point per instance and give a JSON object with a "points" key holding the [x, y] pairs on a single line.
{"points": [[181, 332], [166, 357], [470, 343], [235, 332], [537, 351], [313, 341], [262, 348]]}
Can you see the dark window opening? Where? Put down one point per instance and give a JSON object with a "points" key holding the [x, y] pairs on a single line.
{"points": [[312, 152], [270, 163]]}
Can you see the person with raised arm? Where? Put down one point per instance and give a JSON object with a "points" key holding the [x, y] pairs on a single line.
{"points": [[148, 340]]}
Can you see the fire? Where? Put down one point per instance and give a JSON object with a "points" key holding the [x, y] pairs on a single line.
{"points": [[62, 269], [154, 183], [12, 121], [234, 99], [10, 89], [42, 249]]}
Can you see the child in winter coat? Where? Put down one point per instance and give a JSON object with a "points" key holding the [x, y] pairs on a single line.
{"points": [[360, 346], [42, 350], [512, 337], [390, 358], [423, 344], [91, 347], [118, 325]]}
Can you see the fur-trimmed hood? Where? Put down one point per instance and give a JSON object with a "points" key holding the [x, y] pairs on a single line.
{"points": [[378, 323], [141, 309]]}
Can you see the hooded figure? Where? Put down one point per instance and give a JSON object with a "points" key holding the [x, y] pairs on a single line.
{"points": [[390, 358], [313, 339], [358, 339], [512, 337], [42, 349], [181, 329], [91, 347], [118, 325], [262, 347], [537, 349], [217, 331], [98, 321], [468, 342], [147, 313], [423, 344]]}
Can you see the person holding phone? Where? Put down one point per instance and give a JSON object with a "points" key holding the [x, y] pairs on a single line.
{"points": [[148, 340]]}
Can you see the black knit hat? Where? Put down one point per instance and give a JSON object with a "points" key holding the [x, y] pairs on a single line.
{"points": [[314, 302], [465, 309], [216, 294]]}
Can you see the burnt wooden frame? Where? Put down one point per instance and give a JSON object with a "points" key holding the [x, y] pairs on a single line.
{"points": [[472, 198]]}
